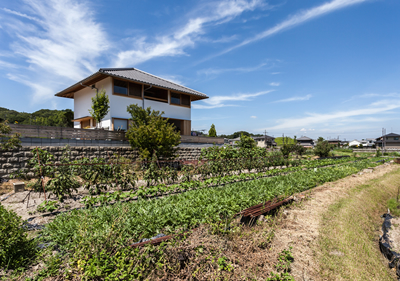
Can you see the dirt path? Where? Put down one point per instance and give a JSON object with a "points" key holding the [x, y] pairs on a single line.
{"points": [[301, 227]]}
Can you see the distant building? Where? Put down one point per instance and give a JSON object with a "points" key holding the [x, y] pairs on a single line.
{"points": [[334, 141], [388, 141], [265, 141], [306, 142]]}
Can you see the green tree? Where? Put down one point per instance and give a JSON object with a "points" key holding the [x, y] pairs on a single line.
{"points": [[322, 148], [100, 106], [212, 132], [246, 142], [8, 141], [151, 133]]}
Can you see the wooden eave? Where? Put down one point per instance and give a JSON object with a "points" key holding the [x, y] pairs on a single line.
{"points": [[82, 119], [70, 91]]}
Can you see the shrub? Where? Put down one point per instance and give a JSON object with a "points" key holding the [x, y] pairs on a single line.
{"points": [[322, 148], [7, 141], [15, 248], [212, 132], [246, 142], [150, 132], [100, 106]]}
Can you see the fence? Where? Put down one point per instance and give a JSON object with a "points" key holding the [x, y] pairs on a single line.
{"points": [[33, 131]]}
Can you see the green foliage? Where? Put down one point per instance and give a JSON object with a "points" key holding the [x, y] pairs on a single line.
{"points": [[246, 142], [47, 206], [378, 153], [286, 149], [283, 266], [223, 264], [212, 132], [15, 248], [43, 117], [150, 133], [287, 140], [322, 149], [8, 141], [394, 207], [100, 106]]}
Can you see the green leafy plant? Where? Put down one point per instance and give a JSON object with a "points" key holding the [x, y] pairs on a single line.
{"points": [[8, 141], [212, 132], [100, 106], [47, 206], [16, 250], [223, 264], [150, 132], [323, 148]]}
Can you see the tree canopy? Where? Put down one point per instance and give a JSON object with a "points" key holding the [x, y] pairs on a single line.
{"points": [[43, 117], [151, 133], [212, 132], [100, 106]]}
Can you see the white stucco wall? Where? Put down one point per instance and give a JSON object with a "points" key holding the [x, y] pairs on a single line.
{"points": [[119, 104]]}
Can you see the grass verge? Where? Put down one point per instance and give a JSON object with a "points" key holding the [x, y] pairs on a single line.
{"points": [[348, 241]]}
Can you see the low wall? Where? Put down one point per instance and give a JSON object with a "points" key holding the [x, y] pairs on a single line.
{"points": [[16, 159], [374, 149]]}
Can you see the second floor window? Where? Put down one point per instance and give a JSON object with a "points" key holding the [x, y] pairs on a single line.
{"points": [[127, 88]]}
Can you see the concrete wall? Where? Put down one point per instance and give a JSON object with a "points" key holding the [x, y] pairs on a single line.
{"points": [[15, 159]]}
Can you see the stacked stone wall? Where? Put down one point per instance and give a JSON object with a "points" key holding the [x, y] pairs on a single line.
{"points": [[16, 159]]}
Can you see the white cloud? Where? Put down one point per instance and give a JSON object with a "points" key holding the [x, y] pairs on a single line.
{"points": [[306, 130], [254, 117], [325, 119], [373, 95], [216, 71], [175, 43], [61, 41], [275, 73], [294, 20], [307, 97], [218, 101], [274, 84]]}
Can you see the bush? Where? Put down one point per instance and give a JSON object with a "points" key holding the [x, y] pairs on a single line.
{"points": [[322, 149], [246, 142], [15, 248]]}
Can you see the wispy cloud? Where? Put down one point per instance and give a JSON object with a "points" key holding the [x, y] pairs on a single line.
{"points": [[294, 20], [219, 101], [61, 42], [373, 95], [274, 84], [325, 119], [216, 71], [254, 117], [176, 42], [307, 97]]}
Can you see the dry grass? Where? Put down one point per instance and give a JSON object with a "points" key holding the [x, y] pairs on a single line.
{"points": [[348, 242]]}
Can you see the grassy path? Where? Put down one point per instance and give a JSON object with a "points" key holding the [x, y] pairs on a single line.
{"points": [[349, 232]]}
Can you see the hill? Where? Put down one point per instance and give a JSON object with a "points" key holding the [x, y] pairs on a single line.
{"points": [[288, 140], [43, 117]]}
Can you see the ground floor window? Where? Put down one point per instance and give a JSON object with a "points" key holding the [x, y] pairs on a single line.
{"points": [[120, 124]]}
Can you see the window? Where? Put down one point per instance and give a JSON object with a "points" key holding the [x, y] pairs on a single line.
{"points": [[396, 138], [120, 87], [180, 99], [127, 88], [120, 124], [156, 94], [175, 98]]}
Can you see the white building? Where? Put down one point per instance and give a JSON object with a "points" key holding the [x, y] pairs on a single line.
{"points": [[354, 143], [126, 86]]}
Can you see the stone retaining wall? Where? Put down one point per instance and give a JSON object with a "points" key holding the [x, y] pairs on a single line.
{"points": [[16, 159]]}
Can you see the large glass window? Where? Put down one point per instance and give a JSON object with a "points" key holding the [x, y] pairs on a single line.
{"points": [[120, 124], [175, 98], [156, 94], [120, 87]]}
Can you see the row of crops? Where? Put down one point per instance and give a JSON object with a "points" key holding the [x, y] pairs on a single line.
{"points": [[96, 229]]}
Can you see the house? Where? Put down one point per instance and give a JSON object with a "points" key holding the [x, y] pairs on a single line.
{"points": [[126, 86], [265, 141], [388, 141], [354, 143], [334, 141], [305, 141]]}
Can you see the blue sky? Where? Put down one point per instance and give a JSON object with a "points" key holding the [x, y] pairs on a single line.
{"points": [[298, 67]]}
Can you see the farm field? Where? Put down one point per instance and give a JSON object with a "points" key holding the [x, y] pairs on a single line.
{"points": [[95, 242]]}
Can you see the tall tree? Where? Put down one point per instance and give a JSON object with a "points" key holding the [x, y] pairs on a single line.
{"points": [[151, 133], [100, 106], [212, 132]]}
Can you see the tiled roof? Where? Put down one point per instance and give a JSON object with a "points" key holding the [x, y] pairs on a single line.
{"points": [[137, 75], [132, 74], [304, 138]]}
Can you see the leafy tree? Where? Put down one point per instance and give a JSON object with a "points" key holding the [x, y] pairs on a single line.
{"points": [[151, 133], [322, 148], [100, 106], [212, 132], [8, 141], [246, 142], [286, 149]]}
